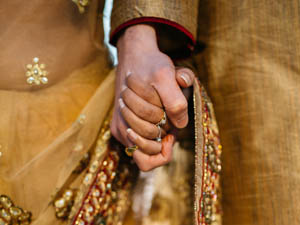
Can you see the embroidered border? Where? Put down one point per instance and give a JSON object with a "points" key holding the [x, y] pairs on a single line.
{"points": [[207, 206]]}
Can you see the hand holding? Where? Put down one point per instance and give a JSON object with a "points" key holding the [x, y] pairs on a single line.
{"points": [[153, 86], [135, 112]]}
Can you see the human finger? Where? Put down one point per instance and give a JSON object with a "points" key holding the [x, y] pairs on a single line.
{"points": [[149, 147], [185, 77], [144, 109], [144, 90], [141, 107], [173, 100], [142, 127], [148, 162], [118, 129]]}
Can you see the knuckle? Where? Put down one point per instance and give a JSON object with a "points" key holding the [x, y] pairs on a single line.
{"points": [[148, 113], [154, 114], [153, 133], [165, 70], [149, 133], [142, 112], [178, 107], [140, 143]]}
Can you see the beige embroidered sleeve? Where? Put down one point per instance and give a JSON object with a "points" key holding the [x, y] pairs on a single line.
{"points": [[177, 13]]}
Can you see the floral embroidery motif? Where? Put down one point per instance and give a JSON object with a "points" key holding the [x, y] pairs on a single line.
{"points": [[36, 73]]}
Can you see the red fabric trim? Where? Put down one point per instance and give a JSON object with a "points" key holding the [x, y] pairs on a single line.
{"points": [[114, 34]]}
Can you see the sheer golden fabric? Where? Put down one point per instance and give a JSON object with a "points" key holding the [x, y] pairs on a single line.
{"points": [[49, 131], [41, 138]]}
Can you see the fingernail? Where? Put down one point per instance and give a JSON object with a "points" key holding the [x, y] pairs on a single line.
{"points": [[128, 74], [121, 102], [186, 79], [166, 139], [123, 87], [132, 133]]}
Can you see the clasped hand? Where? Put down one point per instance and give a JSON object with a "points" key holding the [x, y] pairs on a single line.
{"points": [[147, 85]]}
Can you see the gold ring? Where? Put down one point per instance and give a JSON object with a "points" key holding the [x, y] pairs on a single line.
{"points": [[130, 150], [163, 120]]}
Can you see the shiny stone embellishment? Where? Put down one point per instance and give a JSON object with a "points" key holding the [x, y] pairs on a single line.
{"points": [[36, 73]]}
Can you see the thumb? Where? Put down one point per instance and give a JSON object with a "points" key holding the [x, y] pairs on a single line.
{"points": [[185, 77], [172, 98]]}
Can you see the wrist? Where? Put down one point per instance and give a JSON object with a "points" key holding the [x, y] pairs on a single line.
{"points": [[138, 36]]}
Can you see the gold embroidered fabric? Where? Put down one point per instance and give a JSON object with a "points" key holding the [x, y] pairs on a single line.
{"points": [[11, 214], [208, 166], [187, 191], [78, 137], [46, 132], [55, 152], [250, 68], [103, 197]]}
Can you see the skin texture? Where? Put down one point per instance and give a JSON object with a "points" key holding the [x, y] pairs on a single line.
{"points": [[147, 85]]}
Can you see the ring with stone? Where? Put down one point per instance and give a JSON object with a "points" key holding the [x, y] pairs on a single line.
{"points": [[130, 150], [163, 120]]}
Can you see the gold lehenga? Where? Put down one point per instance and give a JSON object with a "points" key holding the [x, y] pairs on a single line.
{"points": [[58, 125], [46, 176], [60, 163]]}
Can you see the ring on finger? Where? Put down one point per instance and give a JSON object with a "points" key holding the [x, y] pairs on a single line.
{"points": [[130, 150], [158, 139], [163, 120]]}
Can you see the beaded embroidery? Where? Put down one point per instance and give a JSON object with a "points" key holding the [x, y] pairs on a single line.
{"points": [[209, 202], [103, 197], [36, 73], [81, 4], [11, 214]]}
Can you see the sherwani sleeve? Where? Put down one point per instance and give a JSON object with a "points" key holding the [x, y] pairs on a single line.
{"points": [[176, 17]]}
